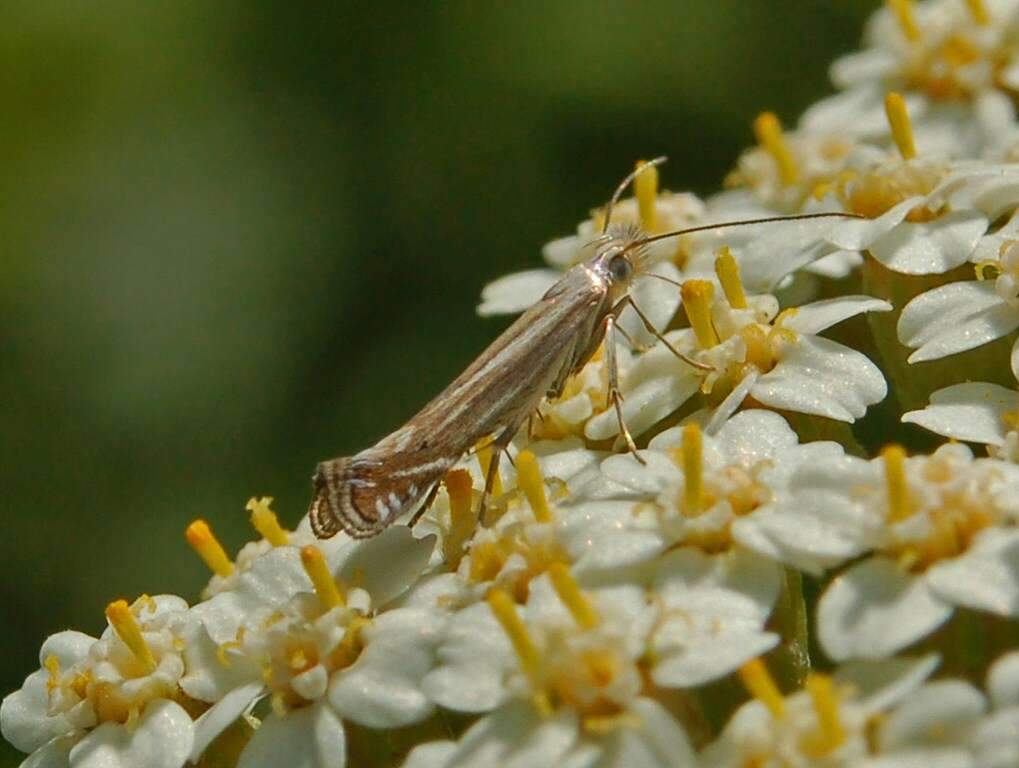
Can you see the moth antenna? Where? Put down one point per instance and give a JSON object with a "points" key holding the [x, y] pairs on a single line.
{"points": [[624, 184], [741, 223], [663, 278]]}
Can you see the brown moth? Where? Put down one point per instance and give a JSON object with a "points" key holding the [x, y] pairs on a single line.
{"points": [[502, 388]]}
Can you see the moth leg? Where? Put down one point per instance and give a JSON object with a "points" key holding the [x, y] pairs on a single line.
{"points": [[657, 334], [634, 344], [615, 397], [498, 446], [429, 499]]}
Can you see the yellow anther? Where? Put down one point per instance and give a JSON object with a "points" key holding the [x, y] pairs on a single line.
{"points": [[899, 508], [759, 682], [580, 606], [691, 456], [903, 11], [645, 189], [505, 611], [265, 522], [118, 613], [768, 131], [52, 665], [485, 457], [462, 520], [697, 295], [728, 275], [223, 649], [902, 128], [830, 734], [328, 593], [978, 11], [531, 483], [987, 269], [202, 541]]}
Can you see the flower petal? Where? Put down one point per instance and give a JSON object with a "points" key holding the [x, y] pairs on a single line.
{"points": [[222, 715], [162, 738], [646, 404], [1003, 680], [933, 247], [875, 609], [879, 684], [659, 742], [24, 715], [821, 377], [386, 565], [657, 299], [310, 737], [953, 318], [516, 292], [819, 315], [945, 707], [971, 411], [985, 577]]}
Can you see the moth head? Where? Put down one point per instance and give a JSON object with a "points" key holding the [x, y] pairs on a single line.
{"points": [[621, 255]]}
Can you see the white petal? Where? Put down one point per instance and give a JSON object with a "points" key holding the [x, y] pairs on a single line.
{"points": [[658, 743], [819, 315], [657, 299], [732, 402], [860, 109], [930, 248], [382, 689], [207, 678], [836, 265], [645, 405], [942, 707], [1003, 680], [68, 646], [162, 738], [858, 234], [985, 577], [516, 292], [971, 411], [996, 739], [709, 657], [771, 253], [55, 754], [953, 318], [874, 609], [564, 252], [821, 377], [1015, 359], [432, 754], [310, 737], [921, 757], [386, 565], [880, 684], [24, 719], [754, 435], [222, 715]]}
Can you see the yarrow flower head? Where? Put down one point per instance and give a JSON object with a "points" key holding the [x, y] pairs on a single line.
{"points": [[715, 537]]}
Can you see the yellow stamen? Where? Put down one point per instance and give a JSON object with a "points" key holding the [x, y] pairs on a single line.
{"points": [[230, 645], [530, 481], [52, 665], [903, 10], [328, 592], [645, 189], [759, 682], [485, 457], [830, 734], [697, 295], [899, 507], [902, 128], [202, 540], [978, 11], [691, 459], [583, 611], [768, 131], [265, 522], [728, 275], [462, 520], [126, 626], [505, 612]]}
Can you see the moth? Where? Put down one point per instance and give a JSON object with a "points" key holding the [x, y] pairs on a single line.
{"points": [[502, 388]]}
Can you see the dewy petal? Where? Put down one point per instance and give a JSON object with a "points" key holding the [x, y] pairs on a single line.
{"points": [[879, 684], [24, 719], [516, 292], [207, 678], [657, 299], [732, 402], [819, 315], [773, 252], [953, 318], [221, 716], [599, 536], [933, 247], [515, 736], [821, 377], [875, 609], [55, 754], [646, 404], [432, 754], [162, 738], [383, 688], [1003, 680], [985, 577], [748, 437], [945, 707], [858, 234], [386, 565], [859, 110], [971, 411], [658, 743], [310, 737]]}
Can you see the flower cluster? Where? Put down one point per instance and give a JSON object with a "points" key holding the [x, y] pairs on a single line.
{"points": [[787, 569]]}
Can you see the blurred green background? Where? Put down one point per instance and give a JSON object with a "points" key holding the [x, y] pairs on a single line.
{"points": [[238, 238]]}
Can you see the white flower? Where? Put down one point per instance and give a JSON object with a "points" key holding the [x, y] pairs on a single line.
{"points": [[996, 740], [112, 701], [564, 679], [959, 316], [976, 412], [941, 529], [833, 721]]}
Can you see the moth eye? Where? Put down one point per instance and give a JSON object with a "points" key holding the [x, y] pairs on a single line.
{"points": [[620, 268]]}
